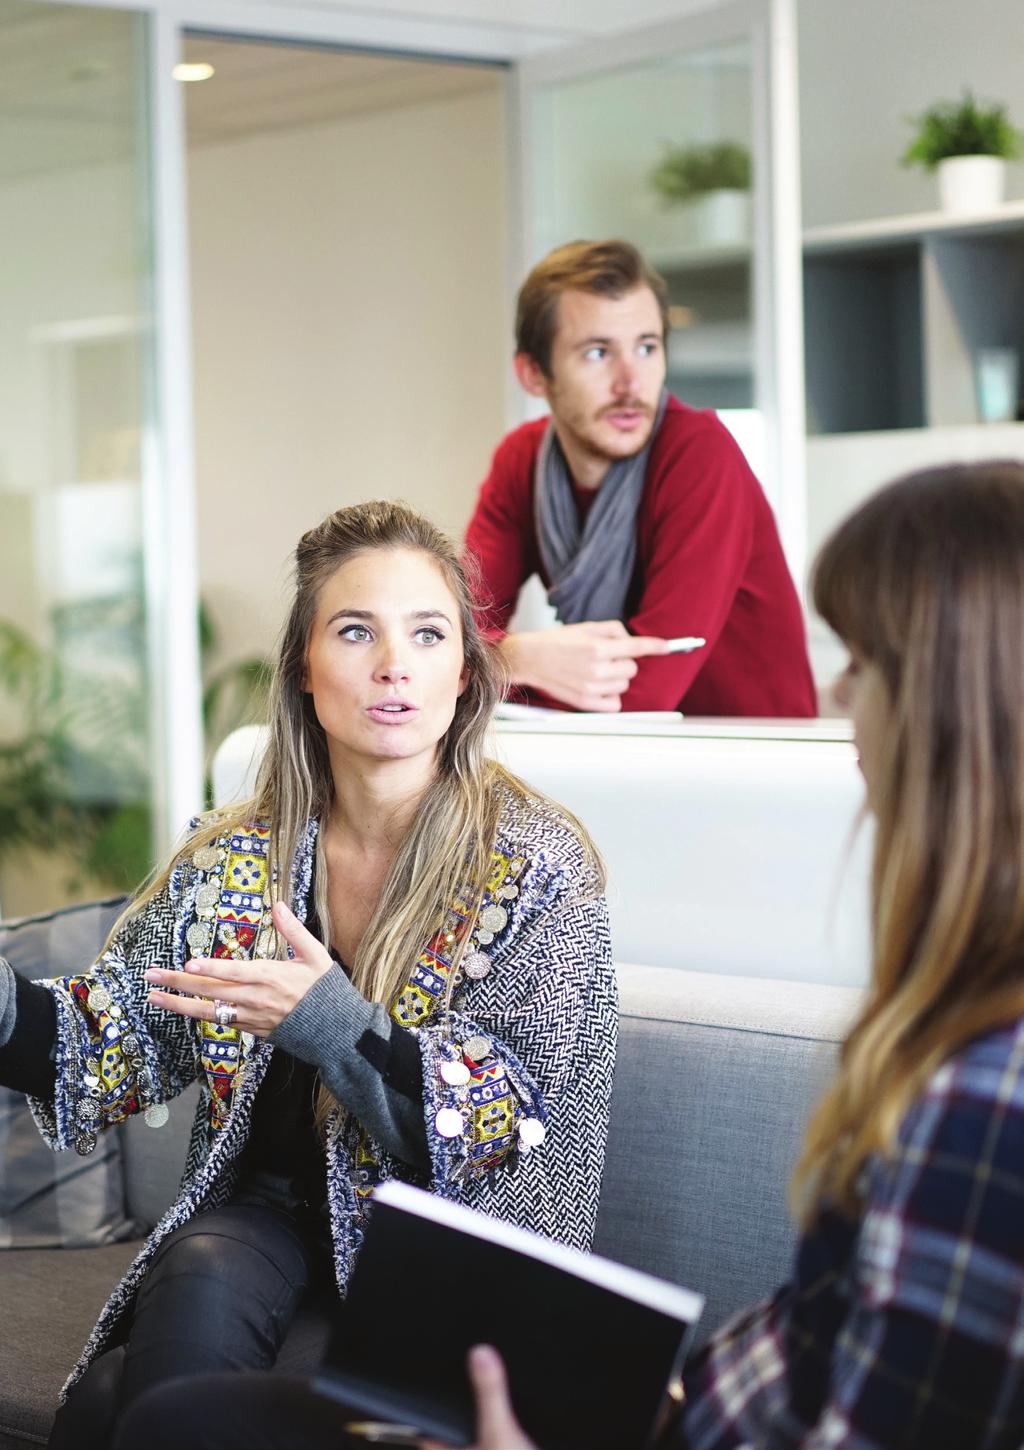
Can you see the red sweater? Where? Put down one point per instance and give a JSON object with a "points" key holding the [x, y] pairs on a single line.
{"points": [[708, 562]]}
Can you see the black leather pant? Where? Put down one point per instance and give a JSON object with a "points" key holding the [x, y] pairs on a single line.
{"points": [[222, 1412], [257, 1412], [220, 1295]]}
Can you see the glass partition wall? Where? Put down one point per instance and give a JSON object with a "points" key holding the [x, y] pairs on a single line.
{"points": [[682, 138], [660, 152], [82, 789]]}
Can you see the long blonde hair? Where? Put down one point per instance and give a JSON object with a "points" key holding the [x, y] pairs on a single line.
{"points": [[449, 845], [926, 581]]}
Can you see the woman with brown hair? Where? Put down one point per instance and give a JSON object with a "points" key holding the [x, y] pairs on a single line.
{"points": [[903, 1325], [393, 961]]}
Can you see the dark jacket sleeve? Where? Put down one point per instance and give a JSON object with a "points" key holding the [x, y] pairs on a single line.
{"points": [[28, 1035]]}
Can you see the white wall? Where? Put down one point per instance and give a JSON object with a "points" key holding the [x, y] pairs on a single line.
{"points": [[867, 66], [351, 334], [843, 471]]}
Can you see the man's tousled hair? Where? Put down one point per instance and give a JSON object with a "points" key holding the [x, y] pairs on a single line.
{"points": [[607, 269]]}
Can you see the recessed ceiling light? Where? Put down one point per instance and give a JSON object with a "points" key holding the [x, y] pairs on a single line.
{"points": [[198, 70]]}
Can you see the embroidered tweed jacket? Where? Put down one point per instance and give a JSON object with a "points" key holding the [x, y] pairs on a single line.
{"points": [[537, 1028]]}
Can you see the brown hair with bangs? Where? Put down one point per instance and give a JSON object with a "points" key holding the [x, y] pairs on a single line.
{"points": [[926, 582], [608, 269]]}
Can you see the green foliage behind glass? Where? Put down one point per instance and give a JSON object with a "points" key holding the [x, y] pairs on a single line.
{"points": [[961, 128], [74, 772], [685, 173], [73, 779]]}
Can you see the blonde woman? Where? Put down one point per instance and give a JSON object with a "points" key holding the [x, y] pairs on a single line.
{"points": [[393, 961], [903, 1325]]}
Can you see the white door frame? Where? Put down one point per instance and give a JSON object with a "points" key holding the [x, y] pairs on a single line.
{"points": [[169, 497], [451, 39]]}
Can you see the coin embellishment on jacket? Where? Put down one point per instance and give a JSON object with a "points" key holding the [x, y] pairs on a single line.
{"points": [[200, 937], [477, 1048], [493, 918], [476, 965]]}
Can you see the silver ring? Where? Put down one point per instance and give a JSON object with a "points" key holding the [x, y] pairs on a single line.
{"points": [[224, 1014]]}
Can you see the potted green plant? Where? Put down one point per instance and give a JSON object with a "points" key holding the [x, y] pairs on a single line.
{"points": [[968, 144], [73, 776], [73, 754], [713, 181]]}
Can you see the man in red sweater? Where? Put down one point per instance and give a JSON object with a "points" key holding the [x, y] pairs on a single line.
{"points": [[640, 515]]}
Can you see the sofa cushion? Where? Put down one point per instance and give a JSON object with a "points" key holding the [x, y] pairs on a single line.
{"points": [[714, 1082], [56, 942], [39, 1345], [48, 1199], [58, 1297]]}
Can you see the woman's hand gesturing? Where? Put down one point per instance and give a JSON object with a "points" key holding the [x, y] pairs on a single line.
{"points": [[261, 992]]}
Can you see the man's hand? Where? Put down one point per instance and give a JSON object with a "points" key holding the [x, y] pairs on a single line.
{"points": [[496, 1425], [587, 666], [262, 992]]}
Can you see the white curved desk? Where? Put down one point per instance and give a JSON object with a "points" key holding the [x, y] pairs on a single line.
{"points": [[731, 845]]}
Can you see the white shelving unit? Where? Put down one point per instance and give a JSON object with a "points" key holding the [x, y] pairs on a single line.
{"points": [[894, 313], [896, 310], [885, 230]]}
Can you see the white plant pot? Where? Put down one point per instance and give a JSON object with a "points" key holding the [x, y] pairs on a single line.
{"points": [[722, 218], [971, 183]]}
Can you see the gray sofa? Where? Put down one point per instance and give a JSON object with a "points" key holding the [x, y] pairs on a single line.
{"points": [[714, 1080]]}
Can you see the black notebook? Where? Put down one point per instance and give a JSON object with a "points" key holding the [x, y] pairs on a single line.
{"points": [[593, 1349]]}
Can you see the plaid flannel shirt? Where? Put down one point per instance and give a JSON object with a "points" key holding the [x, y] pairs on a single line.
{"points": [[905, 1329]]}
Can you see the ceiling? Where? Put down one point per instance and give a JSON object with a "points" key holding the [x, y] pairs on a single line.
{"points": [[69, 92], [264, 87], [66, 87], [69, 74], [562, 19]]}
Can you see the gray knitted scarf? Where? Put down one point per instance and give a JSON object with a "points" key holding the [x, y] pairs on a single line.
{"points": [[590, 570]]}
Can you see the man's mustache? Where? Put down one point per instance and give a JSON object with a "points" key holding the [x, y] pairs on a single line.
{"points": [[629, 405]]}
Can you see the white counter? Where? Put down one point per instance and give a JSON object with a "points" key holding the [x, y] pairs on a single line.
{"points": [[731, 845]]}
